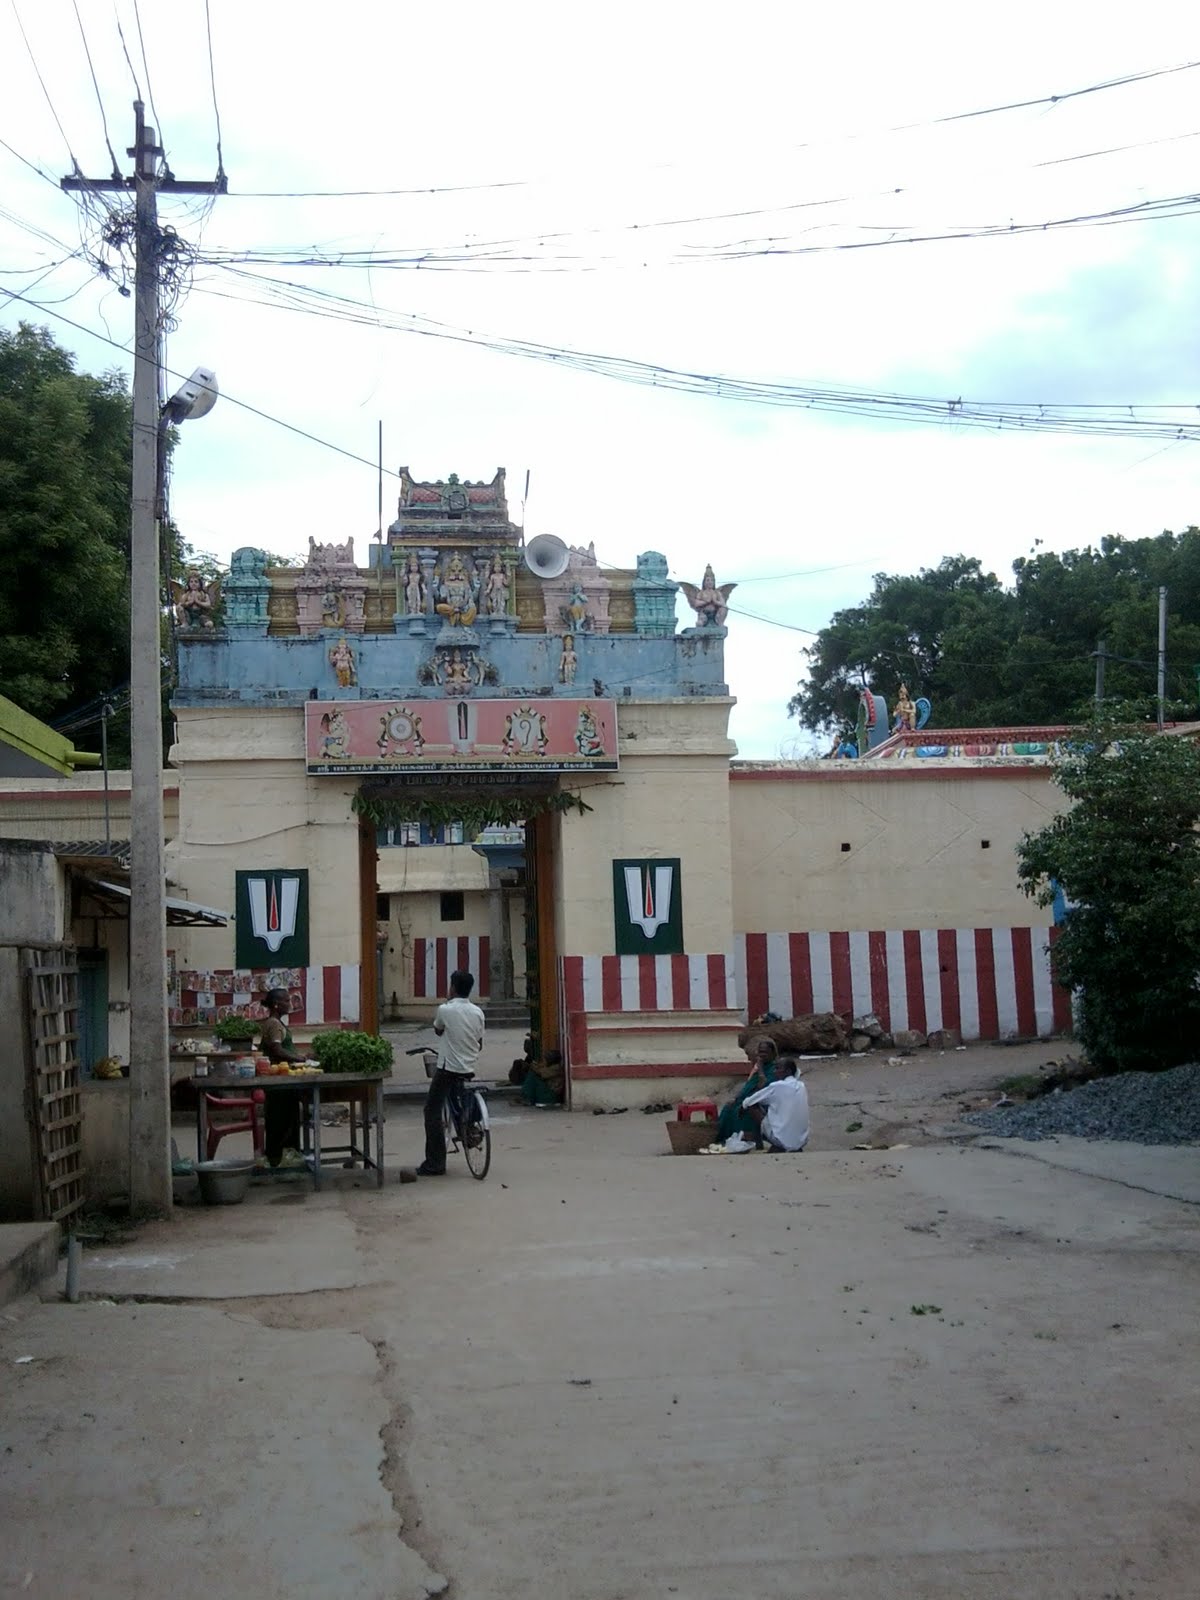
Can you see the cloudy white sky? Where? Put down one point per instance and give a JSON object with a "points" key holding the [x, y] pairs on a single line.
{"points": [[598, 118]]}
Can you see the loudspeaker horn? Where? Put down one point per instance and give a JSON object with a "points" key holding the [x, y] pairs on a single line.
{"points": [[547, 556]]}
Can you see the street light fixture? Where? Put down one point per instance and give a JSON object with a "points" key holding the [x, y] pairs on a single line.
{"points": [[194, 399]]}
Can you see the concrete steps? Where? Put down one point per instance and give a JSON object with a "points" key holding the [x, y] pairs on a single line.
{"points": [[507, 1013], [28, 1254]]}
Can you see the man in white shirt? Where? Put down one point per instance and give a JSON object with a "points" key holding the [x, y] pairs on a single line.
{"points": [[782, 1108], [459, 1025]]}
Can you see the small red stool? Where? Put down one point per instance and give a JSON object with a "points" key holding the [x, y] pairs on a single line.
{"points": [[685, 1108]]}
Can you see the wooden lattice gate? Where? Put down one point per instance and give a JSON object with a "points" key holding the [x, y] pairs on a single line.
{"points": [[55, 1098]]}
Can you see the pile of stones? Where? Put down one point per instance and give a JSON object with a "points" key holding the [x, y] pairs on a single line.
{"points": [[1140, 1107]]}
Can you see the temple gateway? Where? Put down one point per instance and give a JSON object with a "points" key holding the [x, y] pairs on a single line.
{"points": [[471, 751]]}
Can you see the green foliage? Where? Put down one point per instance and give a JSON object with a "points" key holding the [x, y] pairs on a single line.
{"points": [[339, 1051], [236, 1030], [475, 811], [65, 443], [1127, 856], [990, 655], [64, 526]]}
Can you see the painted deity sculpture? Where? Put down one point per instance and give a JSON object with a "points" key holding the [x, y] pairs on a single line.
{"points": [[458, 675], [333, 613], [710, 601], [341, 659], [414, 587], [569, 661], [457, 603], [330, 592], [497, 591], [194, 601], [575, 614]]}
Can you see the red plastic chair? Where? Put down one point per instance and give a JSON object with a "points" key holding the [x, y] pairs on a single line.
{"points": [[253, 1103]]}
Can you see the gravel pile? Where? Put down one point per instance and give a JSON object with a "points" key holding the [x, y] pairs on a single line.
{"points": [[1142, 1107]]}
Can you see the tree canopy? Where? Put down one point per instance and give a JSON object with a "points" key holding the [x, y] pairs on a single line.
{"points": [[65, 477], [64, 526], [989, 654], [1126, 857]]}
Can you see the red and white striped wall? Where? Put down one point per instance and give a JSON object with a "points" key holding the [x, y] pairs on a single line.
{"points": [[649, 983], [609, 1005], [435, 959], [331, 994], [987, 982], [320, 996]]}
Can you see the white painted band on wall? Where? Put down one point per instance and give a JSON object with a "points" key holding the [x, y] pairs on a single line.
{"points": [[435, 959]]}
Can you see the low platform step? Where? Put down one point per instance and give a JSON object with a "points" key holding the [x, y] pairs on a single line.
{"points": [[28, 1253]]}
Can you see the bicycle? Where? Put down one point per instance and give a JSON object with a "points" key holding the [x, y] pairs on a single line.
{"points": [[465, 1116]]}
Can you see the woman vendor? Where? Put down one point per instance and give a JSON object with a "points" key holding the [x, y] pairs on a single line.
{"points": [[733, 1119], [282, 1111]]}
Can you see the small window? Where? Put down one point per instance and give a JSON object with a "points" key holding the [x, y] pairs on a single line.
{"points": [[452, 905], [845, 847], [985, 844], [382, 907]]}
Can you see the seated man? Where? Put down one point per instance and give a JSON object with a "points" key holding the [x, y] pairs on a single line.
{"points": [[734, 1118], [781, 1109]]}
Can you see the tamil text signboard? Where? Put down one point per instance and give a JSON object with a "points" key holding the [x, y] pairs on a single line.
{"points": [[412, 736]]}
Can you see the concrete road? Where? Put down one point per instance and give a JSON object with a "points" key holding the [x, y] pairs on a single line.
{"points": [[950, 1373]]}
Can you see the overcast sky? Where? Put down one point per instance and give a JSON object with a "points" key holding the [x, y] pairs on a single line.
{"points": [[598, 118]]}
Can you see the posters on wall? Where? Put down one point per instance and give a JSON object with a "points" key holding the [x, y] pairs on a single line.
{"points": [[648, 907]]}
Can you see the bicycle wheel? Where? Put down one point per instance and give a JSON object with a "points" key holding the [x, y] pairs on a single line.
{"points": [[477, 1139]]}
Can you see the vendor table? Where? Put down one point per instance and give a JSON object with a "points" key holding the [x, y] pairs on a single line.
{"points": [[363, 1092]]}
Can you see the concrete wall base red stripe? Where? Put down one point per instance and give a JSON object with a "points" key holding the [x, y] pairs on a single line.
{"points": [[435, 959], [323, 996], [988, 982]]}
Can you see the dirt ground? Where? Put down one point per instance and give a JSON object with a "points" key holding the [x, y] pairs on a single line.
{"points": [[961, 1370]]}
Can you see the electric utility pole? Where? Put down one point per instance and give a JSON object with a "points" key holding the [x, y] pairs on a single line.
{"points": [[1100, 654], [149, 1058], [1162, 656]]}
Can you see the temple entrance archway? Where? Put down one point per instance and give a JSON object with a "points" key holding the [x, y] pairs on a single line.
{"points": [[460, 873]]}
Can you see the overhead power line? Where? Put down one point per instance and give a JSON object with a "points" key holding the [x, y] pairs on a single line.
{"points": [[45, 91], [226, 397], [137, 88], [1117, 419], [212, 78], [87, 50], [375, 467], [496, 255], [32, 165], [1124, 81], [926, 410]]}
